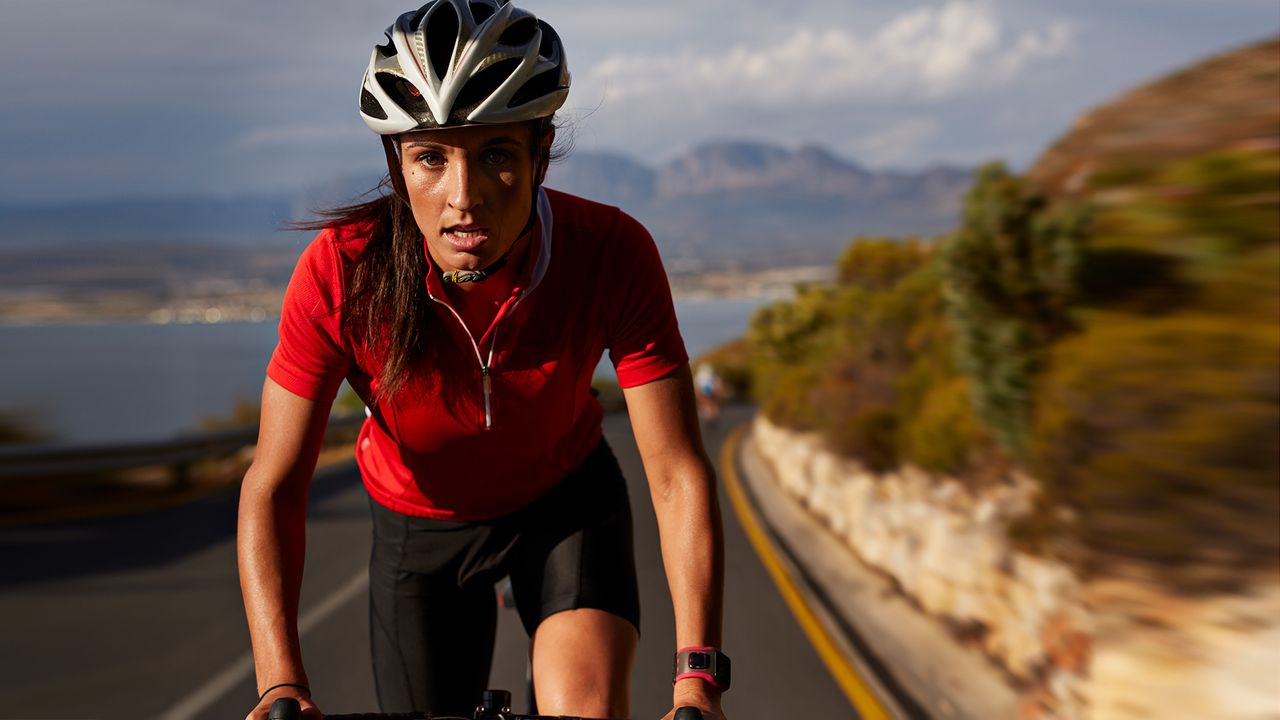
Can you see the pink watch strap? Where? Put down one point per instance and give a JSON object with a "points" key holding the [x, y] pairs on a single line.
{"points": [[696, 673]]}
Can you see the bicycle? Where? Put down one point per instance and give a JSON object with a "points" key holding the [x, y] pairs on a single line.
{"points": [[496, 705]]}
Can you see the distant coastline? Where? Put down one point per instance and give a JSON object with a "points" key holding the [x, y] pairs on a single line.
{"points": [[255, 302]]}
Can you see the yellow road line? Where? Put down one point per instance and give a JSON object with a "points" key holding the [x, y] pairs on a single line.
{"points": [[841, 668]]}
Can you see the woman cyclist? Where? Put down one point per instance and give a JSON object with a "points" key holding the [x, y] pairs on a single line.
{"points": [[468, 307]]}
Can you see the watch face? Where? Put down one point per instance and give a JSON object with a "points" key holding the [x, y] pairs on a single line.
{"points": [[699, 661]]}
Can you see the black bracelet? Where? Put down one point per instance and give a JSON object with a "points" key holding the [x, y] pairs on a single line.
{"points": [[292, 685]]}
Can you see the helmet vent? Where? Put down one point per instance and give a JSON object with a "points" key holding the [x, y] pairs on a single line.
{"points": [[550, 39], [369, 106], [441, 34], [481, 12], [540, 85], [520, 32], [404, 95], [483, 83]]}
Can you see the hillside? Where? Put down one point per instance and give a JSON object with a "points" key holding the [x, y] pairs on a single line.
{"points": [[1226, 102], [1166, 400], [1108, 322]]}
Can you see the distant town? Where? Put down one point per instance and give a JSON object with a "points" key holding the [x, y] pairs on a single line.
{"points": [[218, 301]]}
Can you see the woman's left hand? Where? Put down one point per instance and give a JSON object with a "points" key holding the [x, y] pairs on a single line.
{"points": [[695, 693], [707, 713]]}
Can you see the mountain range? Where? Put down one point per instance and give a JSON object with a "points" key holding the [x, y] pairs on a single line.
{"points": [[724, 203], [756, 204]]}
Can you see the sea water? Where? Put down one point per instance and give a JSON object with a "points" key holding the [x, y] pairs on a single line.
{"points": [[125, 382]]}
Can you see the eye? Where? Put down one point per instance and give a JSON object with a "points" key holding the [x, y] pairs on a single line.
{"points": [[431, 158], [495, 156]]}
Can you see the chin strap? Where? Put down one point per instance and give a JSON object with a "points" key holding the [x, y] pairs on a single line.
{"points": [[394, 170]]}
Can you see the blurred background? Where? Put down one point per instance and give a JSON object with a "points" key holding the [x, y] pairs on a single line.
{"points": [[1016, 263]]}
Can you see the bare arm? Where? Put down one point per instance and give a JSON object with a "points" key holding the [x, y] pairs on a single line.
{"points": [[271, 539], [682, 484]]}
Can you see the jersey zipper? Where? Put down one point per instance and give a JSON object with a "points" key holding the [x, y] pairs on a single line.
{"points": [[486, 364]]}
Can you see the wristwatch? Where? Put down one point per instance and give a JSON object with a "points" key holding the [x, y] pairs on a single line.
{"points": [[707, 663]]}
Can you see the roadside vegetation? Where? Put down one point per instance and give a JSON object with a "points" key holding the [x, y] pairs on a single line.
{"points": [[1116, 337]]}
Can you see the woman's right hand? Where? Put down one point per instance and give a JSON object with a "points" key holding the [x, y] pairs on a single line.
{"points": [[310, 711]]}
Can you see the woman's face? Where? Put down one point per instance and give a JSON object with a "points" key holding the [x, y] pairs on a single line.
{"points": [[471, 190]]}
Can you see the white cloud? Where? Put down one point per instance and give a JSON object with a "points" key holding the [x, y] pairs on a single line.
{"points": [[927, 53], [1055, 40], [269, 88]]}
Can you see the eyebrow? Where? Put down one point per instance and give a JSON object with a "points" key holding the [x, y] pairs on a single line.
{"points": [[500, 140]]}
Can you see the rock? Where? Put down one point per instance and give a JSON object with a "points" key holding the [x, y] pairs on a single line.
{"points": [[947, 548], [825, 470], [1068, 691], [986, 512], [967, 606], [1067, 647], [1051, 585], [935, 594]]}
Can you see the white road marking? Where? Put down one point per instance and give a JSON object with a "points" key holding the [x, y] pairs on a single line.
{"points": [[242, 667]]}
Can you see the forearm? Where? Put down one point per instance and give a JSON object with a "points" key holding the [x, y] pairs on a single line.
{"points": [[682, 486], [692, 540], [271, 545]]}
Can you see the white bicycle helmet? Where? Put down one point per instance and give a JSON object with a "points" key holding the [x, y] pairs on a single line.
{"points": [[463, 62]]}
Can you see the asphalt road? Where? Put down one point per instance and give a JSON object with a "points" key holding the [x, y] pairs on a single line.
{"points": [[140, 617]]}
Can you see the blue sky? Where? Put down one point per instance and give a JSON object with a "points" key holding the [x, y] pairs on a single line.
{"points": [[142, 97]]}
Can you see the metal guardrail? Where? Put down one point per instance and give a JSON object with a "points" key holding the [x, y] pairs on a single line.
{"points": [[45, 462]]}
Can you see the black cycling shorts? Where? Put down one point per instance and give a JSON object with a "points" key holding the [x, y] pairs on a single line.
{"points": [[433, 608]]}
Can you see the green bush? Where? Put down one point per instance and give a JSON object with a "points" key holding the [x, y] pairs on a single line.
{"points": [[1163, 433], [1229, 197], [876, 263], [1011, 278], [789, 332], [788, 394], [944, 433], [870, 435], [859, 362]]}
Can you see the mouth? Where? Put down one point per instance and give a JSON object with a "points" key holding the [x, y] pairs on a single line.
{"points": [[465, 238]]}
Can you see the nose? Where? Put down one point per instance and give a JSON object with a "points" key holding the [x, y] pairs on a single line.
{"points": [[463, 195]]}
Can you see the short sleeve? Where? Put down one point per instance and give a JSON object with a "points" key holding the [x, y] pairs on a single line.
{"points": [[310, 360], [645, 342]]}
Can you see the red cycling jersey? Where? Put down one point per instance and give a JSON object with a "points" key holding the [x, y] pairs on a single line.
{"points": [[485, 426]]}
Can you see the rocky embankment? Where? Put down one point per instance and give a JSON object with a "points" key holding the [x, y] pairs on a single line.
{"points": [[1120, 646]]}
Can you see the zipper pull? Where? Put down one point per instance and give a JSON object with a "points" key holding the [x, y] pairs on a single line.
{"points": [[488, 391]]}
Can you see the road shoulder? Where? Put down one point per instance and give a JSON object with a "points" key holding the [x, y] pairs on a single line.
{"points": [[910, 660]]}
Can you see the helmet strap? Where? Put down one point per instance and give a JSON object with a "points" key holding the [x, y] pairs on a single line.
{"points": [[394, 169], [543, 127]]}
